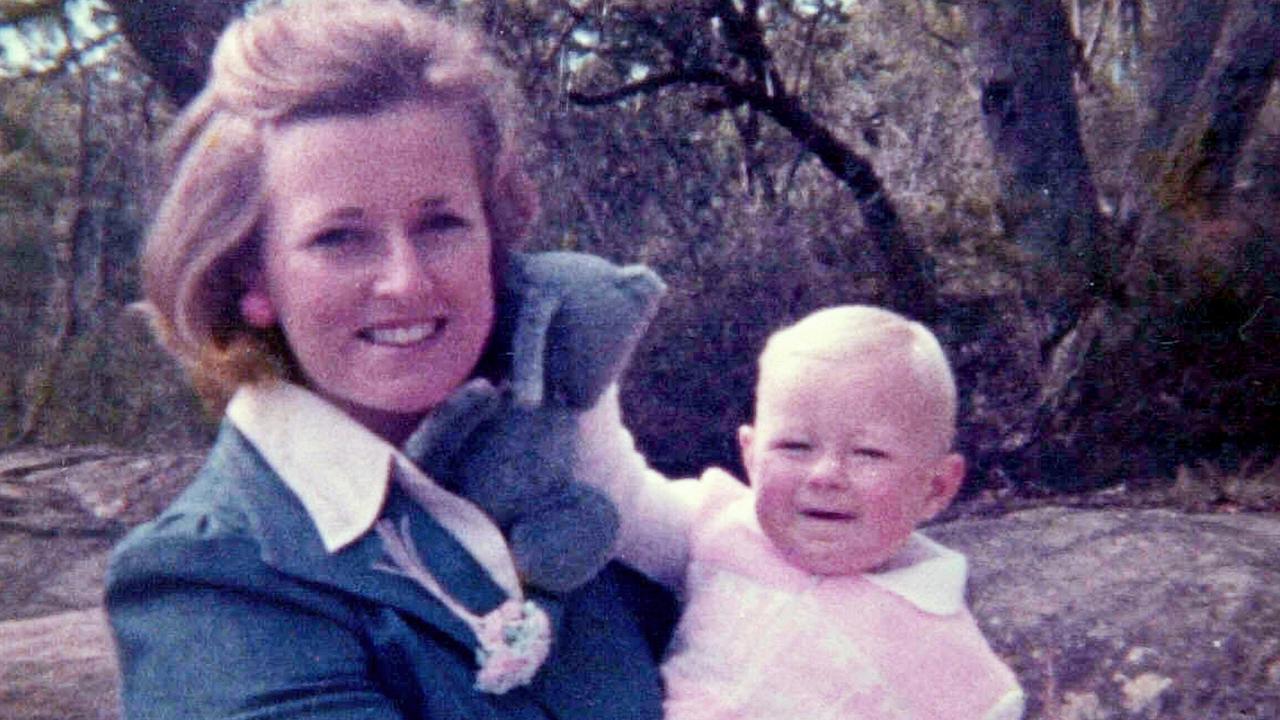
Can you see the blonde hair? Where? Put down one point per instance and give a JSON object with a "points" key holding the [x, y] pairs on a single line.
{"points": [[843, 333], [287, 62]]}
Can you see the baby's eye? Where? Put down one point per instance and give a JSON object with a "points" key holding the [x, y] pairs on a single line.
{"points": [[870, 453], [796, 446]]}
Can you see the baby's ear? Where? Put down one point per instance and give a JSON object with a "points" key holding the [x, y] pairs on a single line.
{"points": [[944, 482], [746, 436]]}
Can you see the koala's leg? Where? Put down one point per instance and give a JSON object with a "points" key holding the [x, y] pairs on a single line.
{"points": [[563, 545]]}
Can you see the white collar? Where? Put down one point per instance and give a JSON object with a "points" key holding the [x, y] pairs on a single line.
{"points": [[925, 574], [337, 468], [340, 472]]}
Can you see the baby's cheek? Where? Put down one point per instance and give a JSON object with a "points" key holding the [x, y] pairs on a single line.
{"points": [[779, 479], [888, 507]]}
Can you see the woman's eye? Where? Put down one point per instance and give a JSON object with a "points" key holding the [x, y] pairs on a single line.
{"points": [[794, 446], [335, 237]]}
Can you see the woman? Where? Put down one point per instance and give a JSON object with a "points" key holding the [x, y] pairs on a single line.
{"points": [[332, 260]]}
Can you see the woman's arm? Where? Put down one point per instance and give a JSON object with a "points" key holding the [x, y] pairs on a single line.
{"points": [[655, 512], [204, 629]]}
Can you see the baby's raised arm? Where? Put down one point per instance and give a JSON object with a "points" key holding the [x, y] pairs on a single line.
{"points": [[655, 512]]}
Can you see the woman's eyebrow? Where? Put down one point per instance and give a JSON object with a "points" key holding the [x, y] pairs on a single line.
{"points": [[342, 213]]}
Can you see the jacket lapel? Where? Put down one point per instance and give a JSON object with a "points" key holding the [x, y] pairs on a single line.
{"points": [[291, 544]]}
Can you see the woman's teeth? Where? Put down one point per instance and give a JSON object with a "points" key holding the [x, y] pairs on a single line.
{"points": [[402, 336]]}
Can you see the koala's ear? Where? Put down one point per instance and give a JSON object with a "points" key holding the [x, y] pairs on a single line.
{"points": [[443, 431], [538, 308], [579, 321], [596, 330]]}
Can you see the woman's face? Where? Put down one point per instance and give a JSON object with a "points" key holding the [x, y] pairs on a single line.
{"points": [[376, 259]]}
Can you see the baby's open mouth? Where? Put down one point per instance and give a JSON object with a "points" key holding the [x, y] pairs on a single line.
{"points": [[829, 515], [402, 335]]}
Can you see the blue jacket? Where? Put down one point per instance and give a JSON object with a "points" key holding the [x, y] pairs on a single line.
{"points": [[228, 606]]}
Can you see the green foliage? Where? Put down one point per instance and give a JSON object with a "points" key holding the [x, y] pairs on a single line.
{"points": [[116, 386], [70, 216]]}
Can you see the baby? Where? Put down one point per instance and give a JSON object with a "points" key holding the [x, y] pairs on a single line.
{"points": [[810, 595]]}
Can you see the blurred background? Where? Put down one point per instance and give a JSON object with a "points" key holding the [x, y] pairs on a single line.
{"points": [[1082, 197]]}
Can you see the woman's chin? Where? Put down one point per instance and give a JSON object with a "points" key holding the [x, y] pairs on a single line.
{"points": [[392, 413]]}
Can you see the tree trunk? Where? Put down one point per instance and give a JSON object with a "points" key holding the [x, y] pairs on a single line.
{"points": [[1024, 51], [175, 38], [60, 318], [1202, 156], [1212, 65], [73, 218], [1180, 48]]}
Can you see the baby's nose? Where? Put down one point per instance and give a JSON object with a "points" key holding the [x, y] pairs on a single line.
{"points": [[828, 472]]}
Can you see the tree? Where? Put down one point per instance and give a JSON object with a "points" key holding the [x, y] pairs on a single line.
{"points": [[42, 37], [1067, 189], [1048, 202], [735, 60], [1210, 68], [75, 122]]}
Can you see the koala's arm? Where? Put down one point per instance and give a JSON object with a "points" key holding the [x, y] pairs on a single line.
{"points": [[655, 513]]}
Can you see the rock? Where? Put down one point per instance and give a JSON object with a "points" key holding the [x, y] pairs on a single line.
{"points": [[1103, 613], [60, 513], [58, 667], [62, 510], [88, 490], [1130, 614]]}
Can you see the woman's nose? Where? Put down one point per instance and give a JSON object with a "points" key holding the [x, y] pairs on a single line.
{"points": [[401, 270]]}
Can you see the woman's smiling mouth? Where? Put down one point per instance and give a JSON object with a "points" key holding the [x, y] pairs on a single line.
{"points": [[403, 335]]}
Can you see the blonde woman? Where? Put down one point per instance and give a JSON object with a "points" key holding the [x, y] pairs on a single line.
{"points": [[332, 258]]}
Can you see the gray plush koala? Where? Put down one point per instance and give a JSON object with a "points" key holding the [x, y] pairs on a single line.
{"points": [[511, 449]]}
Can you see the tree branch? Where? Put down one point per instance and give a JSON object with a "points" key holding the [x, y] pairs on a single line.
{"points": [[912, 287], [650, 85], [67, 57], [13, 12]]}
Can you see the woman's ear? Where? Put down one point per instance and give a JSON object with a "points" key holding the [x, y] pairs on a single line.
{"points": [[256, 308], [944, 482]]}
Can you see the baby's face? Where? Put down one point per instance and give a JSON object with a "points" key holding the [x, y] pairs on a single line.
{"points": [[846, 459]]}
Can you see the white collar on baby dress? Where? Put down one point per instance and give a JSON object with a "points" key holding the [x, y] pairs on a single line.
{"points": [[925, 574], [340, 472]]}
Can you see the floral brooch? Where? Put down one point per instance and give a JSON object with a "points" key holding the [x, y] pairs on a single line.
{"points": [[514, 638], [514, 641]]}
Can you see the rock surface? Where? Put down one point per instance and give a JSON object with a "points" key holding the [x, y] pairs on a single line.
{"points": [[62, 510], [1131, 614], [1102, 613], [60, 513], [58, 667]]}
